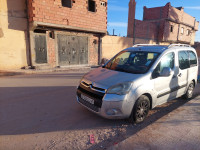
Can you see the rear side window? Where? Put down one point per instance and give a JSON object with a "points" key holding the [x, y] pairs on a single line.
{"points": [[183, 58], [193, 59]]}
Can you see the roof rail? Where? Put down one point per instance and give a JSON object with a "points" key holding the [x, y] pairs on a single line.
{"points": [[183, 45], [137, 45]]}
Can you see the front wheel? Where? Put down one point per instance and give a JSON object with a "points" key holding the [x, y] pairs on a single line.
{"points": [[189, 92], [140, 109]]}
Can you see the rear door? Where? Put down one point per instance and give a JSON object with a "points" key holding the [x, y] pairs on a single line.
{"points": [[182, 76], [165, 86], [193, 70]]}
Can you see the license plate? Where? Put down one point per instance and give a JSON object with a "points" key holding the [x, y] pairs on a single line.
{"points": [[91, 101]]}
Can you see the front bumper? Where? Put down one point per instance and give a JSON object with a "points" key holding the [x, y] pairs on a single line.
{"points": [[112, 106]]}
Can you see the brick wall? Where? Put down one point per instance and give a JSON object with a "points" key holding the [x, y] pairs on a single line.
{"points": [[93, 50], [146, 30], [156, 13], [152, 13], [93, 45], [51, 44], [196, 25], [52, 11], [197, 47], [131, 18], [184, 36], [168, 35]]}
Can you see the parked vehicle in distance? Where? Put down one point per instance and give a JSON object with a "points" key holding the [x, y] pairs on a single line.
{"points": [[139, 78]]}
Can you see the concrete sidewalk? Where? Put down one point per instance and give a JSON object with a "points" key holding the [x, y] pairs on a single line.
{"points": [[83, 69], [178, 130]]}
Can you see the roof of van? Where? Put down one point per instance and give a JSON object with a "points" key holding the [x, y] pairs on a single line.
{"points": [[158, 48]]}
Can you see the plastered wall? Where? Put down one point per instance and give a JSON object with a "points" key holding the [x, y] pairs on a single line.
{"points": [[111, 45], [13, 37]]}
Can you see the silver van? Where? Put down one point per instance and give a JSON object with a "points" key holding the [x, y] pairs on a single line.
{"points": [[139, 78]]}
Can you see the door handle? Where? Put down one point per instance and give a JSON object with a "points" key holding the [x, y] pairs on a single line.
{"points": [[179, 75]]}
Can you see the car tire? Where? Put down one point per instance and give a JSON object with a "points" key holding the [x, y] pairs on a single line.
{"points": [[189, 93], [140, 109]]}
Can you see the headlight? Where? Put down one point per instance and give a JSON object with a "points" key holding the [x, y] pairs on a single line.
{"points": [[120, 89]]}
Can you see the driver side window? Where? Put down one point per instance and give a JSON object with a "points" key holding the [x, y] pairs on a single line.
{"points": [[167, 61]]}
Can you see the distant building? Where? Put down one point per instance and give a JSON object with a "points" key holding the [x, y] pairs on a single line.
{"points": [[162, 25]]}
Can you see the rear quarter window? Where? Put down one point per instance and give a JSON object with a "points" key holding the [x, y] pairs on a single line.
{"points": [[183, 58], [193, 59]]}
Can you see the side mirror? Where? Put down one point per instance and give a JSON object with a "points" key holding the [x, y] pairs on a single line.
{"points": [[166, 72], [103, 62]]}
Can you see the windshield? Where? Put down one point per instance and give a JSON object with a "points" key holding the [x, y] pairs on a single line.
{"points": [[132, 62]]}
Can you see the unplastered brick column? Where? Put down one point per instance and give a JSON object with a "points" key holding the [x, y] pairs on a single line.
{"points": [[51, 50], [93, 50], [131, 18], [30, 10]]}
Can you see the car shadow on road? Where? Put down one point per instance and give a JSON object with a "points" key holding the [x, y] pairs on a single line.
{"points": [[51, 109], [132, 129]]}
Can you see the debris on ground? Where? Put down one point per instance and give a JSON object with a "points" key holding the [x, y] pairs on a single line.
{"points": [[92, 140]]}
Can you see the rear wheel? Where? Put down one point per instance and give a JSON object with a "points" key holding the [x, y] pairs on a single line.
{"points": [[189, 92], [140, 109]]}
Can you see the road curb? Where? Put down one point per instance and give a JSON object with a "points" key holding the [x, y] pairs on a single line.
{"points": [[4, 73]]}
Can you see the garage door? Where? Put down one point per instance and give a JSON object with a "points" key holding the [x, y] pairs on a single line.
{"points": [[72, 50]]}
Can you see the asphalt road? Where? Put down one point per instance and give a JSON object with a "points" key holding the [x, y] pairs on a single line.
{"points": [[41, 112]]}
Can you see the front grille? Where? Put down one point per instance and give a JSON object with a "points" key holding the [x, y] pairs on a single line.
{"points": [[100, 89], [87, 104], [93, 94], [90, 93]]}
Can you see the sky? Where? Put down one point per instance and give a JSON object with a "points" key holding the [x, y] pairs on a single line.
{"points": [[118, 12]]}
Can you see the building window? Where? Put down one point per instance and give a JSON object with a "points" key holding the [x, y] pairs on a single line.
{"points": [[91, 6], [188, 32], [182, 30], [103, 3], [172, 28], [67, 3]]}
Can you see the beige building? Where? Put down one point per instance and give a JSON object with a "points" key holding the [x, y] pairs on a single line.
{"points": [[13, 34]]}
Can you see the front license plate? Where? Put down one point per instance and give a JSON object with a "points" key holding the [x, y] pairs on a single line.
{"points": [[91, 101]]}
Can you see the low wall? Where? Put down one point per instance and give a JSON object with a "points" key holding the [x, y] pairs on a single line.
{"points": [[111, 45]]}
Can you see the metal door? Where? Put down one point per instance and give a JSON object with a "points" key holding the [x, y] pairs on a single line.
{"points": [[72, 50], [83, 56], [40, 49], [63, 50]]}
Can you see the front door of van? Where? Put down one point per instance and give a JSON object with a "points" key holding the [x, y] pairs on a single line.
{"points": [[165, 86]]}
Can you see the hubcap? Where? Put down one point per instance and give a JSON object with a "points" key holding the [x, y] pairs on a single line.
{"points": [[190, 90], [142, 110]]}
